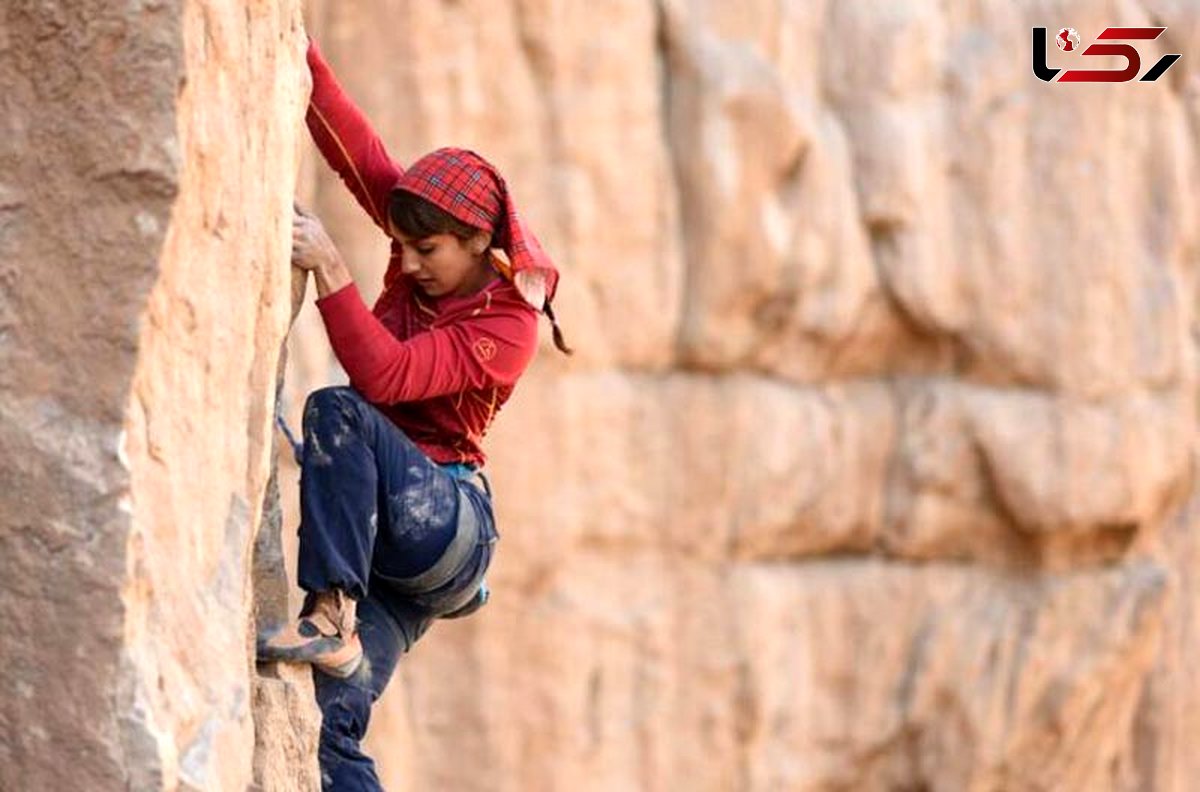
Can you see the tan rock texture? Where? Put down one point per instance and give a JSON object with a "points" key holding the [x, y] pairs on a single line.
{"points": [[875, 470], [148, 159]]}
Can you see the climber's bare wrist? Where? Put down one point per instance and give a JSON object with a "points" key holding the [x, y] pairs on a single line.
{"points": [[331, 275]]}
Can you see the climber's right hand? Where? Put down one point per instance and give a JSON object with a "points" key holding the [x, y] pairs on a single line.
{"points": [[314, 251]]}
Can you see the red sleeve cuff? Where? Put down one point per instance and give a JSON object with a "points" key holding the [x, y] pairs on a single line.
{"points": [[336, 298], [354, 334], [342, 310]]}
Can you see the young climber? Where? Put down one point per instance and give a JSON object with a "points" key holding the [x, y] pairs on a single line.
{"points": [[396, 522]]}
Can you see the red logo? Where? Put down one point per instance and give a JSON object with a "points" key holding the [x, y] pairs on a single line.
{"points": [[1068, 41], [485, 349]]}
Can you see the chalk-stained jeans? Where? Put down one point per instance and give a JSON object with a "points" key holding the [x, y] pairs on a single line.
{"points": [[371, 502]]}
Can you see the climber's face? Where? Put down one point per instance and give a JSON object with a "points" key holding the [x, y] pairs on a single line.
{"points": [[443, 264]]}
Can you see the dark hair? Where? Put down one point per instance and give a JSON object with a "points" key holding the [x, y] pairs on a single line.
{"points": [[559, 341], [419, 218]]}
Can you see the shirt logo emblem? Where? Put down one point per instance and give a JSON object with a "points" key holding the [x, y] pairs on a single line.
{"points": [[485, 349]]}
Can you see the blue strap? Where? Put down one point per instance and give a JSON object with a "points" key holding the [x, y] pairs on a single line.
{"points": [[297, 446], [459, 470]]}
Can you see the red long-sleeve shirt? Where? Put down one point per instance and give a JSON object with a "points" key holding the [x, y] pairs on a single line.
{"points": [[438, 368]]}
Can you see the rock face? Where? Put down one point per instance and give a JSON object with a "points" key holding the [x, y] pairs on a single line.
{"points": [[874, 470], [147, 168]]}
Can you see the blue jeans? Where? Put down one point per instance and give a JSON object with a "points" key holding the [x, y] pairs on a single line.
{"points": [[375, 510]]}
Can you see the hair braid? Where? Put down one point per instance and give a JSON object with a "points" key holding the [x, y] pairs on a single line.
{"points": [[559, 342]]}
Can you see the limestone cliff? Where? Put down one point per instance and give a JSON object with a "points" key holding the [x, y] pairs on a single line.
{"points": [[147, 169]]}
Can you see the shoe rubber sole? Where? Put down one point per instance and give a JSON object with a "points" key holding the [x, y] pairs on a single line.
{"points": [[330, 654]]}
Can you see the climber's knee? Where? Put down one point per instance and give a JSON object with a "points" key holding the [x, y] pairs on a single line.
{"points": [[333, 409], [338, 398]]}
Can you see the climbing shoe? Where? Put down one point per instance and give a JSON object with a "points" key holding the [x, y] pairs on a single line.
{"points": [[324, 634]]}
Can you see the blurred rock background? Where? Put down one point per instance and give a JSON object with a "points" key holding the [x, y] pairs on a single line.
{"points": [[874, 470]]}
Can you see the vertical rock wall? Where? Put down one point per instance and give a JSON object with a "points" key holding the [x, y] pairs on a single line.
{"points": [[148, 155], [874, 470]]}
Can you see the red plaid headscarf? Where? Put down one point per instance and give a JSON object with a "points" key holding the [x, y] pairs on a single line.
{"points": [[470, 188]]}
